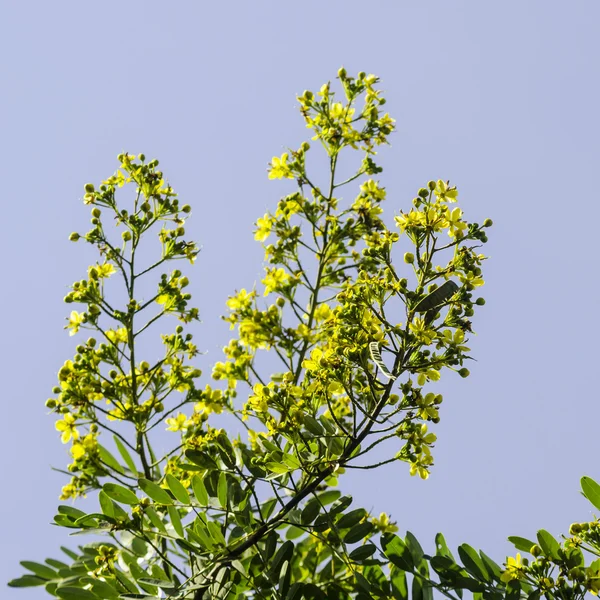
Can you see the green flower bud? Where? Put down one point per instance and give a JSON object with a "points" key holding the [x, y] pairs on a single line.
{"points": [[431, 185], [74, 236], [96, 212], [362, 75], [464, 372], [112, 374], [159, 407], [93, 427], [142, 157], [280, 302], [488, 223], [89, 188], [91, 342], [186, 208], [144, 366], [480, 301], [51, 403], [180, 232], [179, 329], [305, 146], [93, 273], [176, 273], [183, 282], [126, 235], [423, 193], [95, 221], [575, 529], [409, 258], [535, 550], [342, 73], [68, 298]]}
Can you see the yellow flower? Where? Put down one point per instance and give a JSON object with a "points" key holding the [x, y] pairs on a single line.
{"points": [[67, 427], [75, 321], [242, 299], [454, 223], [274, 280], [514, 569], [370, 188], [264, 225], [105, 270], [422, 332], [383, 524], [178, 423], [322, 312], [117, 336], [279, 168], [444, 193]]}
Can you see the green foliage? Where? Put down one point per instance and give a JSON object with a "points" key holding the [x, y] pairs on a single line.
{"points": [[231, 517]]}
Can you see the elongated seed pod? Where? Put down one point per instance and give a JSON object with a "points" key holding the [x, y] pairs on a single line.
{"points": [[437, 297], [376, 356]]}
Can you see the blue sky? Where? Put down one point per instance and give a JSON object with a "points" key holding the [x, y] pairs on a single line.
{"points": [[500, 98]]}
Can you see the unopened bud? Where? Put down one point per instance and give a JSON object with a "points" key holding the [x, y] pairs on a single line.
{"points": [[89, 188], [464, 372], [409, 258], [74, 236], [96, 212]]}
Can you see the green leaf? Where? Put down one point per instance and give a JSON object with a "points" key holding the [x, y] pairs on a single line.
{"points": [[415, 547], [202, 459], [70, 511], [351, 519], [222, 489], [397, 551], [104, 590], [40, 570], [106, 504], [283, 554], [120, 493], [175, 519], [363, 552], [215, 533], [107, 458], [75, 593], [472, 562], [438, 297], [200, 490], [161, 583], [329, 496], [67, 551], [178, 489], [591, 490], [441, 548], [155, 519], [310, 512], [399, 584], [358, 532], [521, 543], [155, 492], [125, 455], [493, 568], [27, 581], [313, 426], [277, 467], [548, 544]]}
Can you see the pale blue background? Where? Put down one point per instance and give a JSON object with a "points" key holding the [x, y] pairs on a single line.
{"points": [[499, 97]]}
